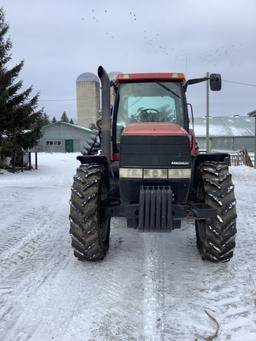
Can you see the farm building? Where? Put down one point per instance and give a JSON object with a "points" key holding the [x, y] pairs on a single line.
{"points": [[226, 133], [64, 137]]}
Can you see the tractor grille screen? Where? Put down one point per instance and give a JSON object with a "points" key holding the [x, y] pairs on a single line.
{"points": [[155, 151]]}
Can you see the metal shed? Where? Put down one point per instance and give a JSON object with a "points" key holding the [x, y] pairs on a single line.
{"points": [[64, 138], [226, 133]]}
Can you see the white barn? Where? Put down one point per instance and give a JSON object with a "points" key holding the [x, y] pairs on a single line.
{"points": [[64, 138]]}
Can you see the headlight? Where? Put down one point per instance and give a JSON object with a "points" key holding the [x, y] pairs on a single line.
{"points": [[155, 174], [179, 173], [140, 173], [131, 173]]}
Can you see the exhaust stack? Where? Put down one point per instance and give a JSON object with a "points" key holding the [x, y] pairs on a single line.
{"points": [[105, 108]]}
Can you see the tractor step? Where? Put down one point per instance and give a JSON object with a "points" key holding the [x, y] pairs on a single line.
{"points": [[155, 209]]}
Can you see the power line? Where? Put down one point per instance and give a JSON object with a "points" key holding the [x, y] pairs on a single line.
{"points": [[74, 99], [239, 83], [57, 100]]}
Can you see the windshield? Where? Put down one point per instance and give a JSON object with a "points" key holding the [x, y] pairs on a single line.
{"points": [[149, 102]]}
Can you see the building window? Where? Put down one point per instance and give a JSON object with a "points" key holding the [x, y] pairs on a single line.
{"points": [[53, 143]]}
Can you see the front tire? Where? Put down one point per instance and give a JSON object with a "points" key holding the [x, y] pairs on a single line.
{"points": [[216, 237], [89, 224]]}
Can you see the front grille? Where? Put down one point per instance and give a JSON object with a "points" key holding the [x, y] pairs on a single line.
{"points": [[154, 151]]}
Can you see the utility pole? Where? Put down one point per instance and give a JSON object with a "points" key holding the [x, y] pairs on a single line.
{"points": [[255, 141], [207, 114]]}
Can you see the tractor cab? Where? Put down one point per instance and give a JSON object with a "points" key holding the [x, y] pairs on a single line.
{"points": [[148, 98]]}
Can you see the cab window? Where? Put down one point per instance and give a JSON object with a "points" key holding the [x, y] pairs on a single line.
{"points": [[149, 102]]}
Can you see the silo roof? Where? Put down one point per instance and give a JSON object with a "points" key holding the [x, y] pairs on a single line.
{"points": [[87, 77]]}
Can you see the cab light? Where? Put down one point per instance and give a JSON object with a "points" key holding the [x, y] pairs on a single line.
{"points": [[123, 76]]}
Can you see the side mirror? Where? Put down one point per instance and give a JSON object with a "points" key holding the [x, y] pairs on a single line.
{"points": [[191, 115], [215, 81]]}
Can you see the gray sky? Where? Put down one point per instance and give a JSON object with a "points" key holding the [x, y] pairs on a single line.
{"points": [[59, 39]]}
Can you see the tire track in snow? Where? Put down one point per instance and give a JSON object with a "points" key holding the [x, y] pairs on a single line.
{"points": [[96, 286], [25, 246], [154, 289], [40, 251], [22, 216], [15, 222], [121, 287], [30, 262], [16, 230], [225, 299], [230, 290], [170, 262]]}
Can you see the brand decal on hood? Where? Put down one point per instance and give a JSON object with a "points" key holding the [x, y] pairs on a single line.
{"points": [[177, 163]]}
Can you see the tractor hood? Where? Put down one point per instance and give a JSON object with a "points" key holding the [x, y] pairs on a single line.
{"points": [[146, 147], [154, 129]]}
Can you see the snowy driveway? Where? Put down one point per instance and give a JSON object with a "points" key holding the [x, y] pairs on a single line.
{"points": [[150, 287]]}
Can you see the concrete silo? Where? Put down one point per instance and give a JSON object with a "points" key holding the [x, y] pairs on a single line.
{"points": [[88, 99]]}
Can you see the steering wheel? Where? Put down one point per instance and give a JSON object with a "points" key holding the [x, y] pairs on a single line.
{"points": [[148, 115]]}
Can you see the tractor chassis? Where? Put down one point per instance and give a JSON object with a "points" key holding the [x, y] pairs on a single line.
{"points": [[155, 210], [144, 219]]}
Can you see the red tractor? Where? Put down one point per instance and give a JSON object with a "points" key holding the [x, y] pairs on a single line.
{"points": [[150, 171]]}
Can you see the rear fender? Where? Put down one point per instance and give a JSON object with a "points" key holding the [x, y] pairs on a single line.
{"points": [[201, 158], [218, 157], [99, 160]]}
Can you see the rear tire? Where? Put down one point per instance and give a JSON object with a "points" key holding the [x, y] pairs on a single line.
{"points": [[216, 237], [89, 225]]}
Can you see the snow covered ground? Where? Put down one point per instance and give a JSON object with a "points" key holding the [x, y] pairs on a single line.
{"points": [[150, 286]]}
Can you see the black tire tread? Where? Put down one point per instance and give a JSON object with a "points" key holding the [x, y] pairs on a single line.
{"points": [[216, 243], [85, 218]]}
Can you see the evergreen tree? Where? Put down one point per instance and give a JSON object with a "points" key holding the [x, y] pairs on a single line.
{"points": [[64, 117], [54, 119], [20, 121], [71, 121]]}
